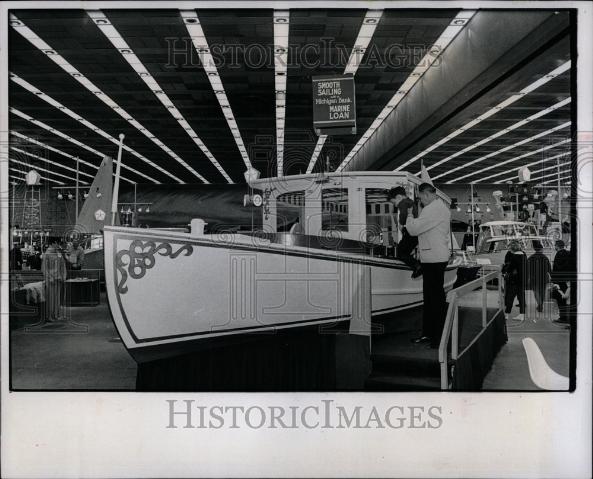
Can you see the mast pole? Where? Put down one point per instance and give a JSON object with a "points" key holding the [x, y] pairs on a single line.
{"points": [[115, 195]]}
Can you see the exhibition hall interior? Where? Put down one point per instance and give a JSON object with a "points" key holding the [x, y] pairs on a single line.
{"points": [[256, 199]]}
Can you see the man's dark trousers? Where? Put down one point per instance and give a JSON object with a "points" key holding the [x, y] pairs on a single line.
{"points": [[435, 304], [405, 247]]}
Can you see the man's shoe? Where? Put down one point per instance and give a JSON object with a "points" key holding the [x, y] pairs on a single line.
{"points": [[421, 339]]}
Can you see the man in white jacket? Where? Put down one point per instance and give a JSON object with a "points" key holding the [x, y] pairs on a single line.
{"points": [[432, 227]]}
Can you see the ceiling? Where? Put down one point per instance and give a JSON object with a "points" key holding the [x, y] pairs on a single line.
{"points": [[241, 40]]}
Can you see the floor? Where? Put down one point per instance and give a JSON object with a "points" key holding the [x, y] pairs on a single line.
{"points": [[85, 352], [510, 370]]}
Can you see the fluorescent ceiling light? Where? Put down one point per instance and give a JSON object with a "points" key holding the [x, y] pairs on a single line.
{"points": [[55, 132], [281, 25], [515, 177], [27, 86], [366, 32], [13, 175], [60, 152], [502, 150], [39, 168], [555, 180], [192, 23], [104, 24], [509, 101], [525, 155], [40, 158], [66, 66], [555, 174], [456, 25], [498, 134]]}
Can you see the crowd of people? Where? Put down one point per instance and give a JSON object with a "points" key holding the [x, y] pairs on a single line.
{"points": [[536, 273]]}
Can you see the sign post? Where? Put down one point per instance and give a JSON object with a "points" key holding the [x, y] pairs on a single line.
{"points": [[334, 105]]}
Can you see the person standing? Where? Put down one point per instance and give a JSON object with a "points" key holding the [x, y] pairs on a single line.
{"points": [[514, 271], [402, 204], [75, 256], [53, 267], [539, 272], [16, 258], [561, 271], [433, 229]]}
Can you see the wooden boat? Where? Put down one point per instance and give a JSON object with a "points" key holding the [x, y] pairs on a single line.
{"points": [[170, 292]]}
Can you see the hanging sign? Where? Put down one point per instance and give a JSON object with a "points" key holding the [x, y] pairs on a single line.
{"points": [[334, 105]]}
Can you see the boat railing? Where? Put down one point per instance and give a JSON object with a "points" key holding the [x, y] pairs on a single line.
{"points": [[451, 332]]}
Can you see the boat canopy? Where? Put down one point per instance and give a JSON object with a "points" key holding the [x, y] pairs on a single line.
{"points": [[352, 205]]}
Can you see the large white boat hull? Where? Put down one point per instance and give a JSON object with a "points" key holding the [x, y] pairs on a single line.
{"points": [[169, 291]]}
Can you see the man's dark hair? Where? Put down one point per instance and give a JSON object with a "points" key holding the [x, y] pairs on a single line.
{"points": [[560, 244], [427, 187], [398, 190], [537, 246]]}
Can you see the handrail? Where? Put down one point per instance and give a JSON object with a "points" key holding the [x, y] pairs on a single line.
{"points": [[451, 327]]}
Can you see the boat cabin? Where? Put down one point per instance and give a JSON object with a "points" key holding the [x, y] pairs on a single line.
{"points": [[352, 206]]}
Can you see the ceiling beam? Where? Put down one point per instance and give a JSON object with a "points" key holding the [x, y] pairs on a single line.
{"points": [[496, 42], [119, 43], [59, 60]]}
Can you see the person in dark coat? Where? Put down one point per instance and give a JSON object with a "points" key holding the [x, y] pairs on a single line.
{"points": [[561, 274], [16, 258], [514, 271], [54, 274], [539, 272], [408, 243]]}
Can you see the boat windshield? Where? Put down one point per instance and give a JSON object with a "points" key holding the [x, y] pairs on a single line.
{"points": [[493, 246], [334, 209], [290, 212], [379, 216]]}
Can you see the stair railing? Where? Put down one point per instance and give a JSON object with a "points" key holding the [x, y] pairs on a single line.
{"points": [[451, 328]]}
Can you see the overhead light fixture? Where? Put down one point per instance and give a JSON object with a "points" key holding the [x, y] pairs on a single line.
{"points": [[27, 86], [117, 40], [281, 28], [45, 160], [86, 194], [498, 152], [504, 104], [424, 64], [477, 209], [488, 210], [497, 135], [70, 196], [551, 167], [521, 157], [12, 160], [60, 196]]}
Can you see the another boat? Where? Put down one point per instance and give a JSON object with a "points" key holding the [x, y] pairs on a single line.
{"points": [[170, 291], [495, 236]]}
